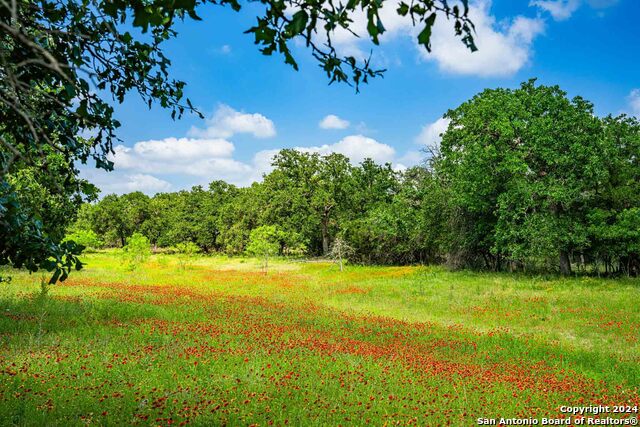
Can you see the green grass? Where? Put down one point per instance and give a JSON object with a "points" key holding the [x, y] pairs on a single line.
{"points": [[218, 342]]}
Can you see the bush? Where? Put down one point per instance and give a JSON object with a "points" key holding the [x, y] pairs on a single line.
{"points": [[136, 251], [186, 251]]}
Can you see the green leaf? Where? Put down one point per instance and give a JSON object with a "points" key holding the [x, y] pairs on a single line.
{"points": [[55, 277], [403, 9], [193, 15], [424, 38], [381, 28], [71, 91], [298, 22]]}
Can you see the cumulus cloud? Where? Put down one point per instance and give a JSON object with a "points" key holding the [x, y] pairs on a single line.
{"points": [[350, 42], [226, 122], [205, 155], [409, 159], [172, 163], [171, 155], [503, 47], [333, 122], [136, 166], [355, 147], [119, 183], [197, 171], [559, 9], [136, 172], [431, 134], [634, 102], [183, 149], [191, 160], [359, 147], [145, 183]]}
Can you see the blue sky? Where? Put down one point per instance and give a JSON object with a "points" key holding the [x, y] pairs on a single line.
{"points": [[255, 105]]}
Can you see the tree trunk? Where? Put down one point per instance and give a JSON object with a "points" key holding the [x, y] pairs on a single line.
{"points": [[325, 237], [565, 263], [487, 261]]}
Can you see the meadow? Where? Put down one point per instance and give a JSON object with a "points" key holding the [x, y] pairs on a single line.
{"points": [[215, 341]]}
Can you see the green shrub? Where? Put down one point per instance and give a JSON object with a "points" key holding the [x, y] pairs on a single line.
{"points": [[136, 251], [186, 252]]}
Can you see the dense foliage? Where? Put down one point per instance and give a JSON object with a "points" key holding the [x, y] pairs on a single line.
{"points": [[62, 66], [37, 202], [524, 179], [537, 179]]}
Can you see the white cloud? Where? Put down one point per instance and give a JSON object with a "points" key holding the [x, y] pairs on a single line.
{"points": [[503, 47], [634, 102], [355, 147], [359, 147], [333, 122], [143, 174], [410, 158], [173, 163], [227, 122], [262, 162], [183, 149], [559, 9], [146, 183], [431, 134], [225, 49], [136, 166], [206, 156], [348, 43], [171, 155], [120, 183]]}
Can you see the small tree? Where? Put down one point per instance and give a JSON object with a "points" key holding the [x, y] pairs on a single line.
{"points": [[186, 251], [136, 251], [340, 250], [264, 242]]}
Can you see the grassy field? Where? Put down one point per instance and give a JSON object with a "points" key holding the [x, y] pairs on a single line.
{"points": [[218, 342]]}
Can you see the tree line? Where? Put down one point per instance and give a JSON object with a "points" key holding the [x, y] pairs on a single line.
{"points": [[524, 179]]}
